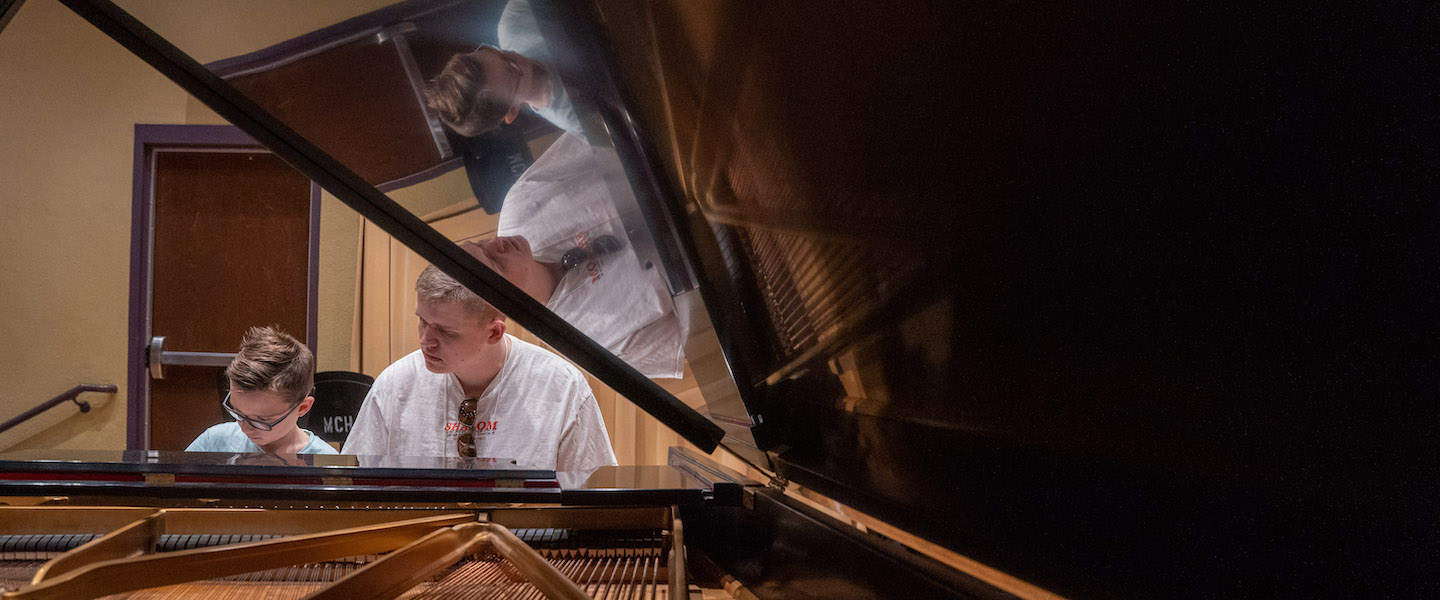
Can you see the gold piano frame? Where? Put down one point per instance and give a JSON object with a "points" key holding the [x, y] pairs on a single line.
{"points": [[416, 544]]}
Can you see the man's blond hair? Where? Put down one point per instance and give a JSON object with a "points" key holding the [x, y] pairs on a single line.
{"points": [[271, 360], [435, 286]]}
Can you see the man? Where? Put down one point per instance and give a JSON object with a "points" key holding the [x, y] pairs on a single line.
{"points": [[471, 390], [270, 382], [561, 241], [478, 91]]}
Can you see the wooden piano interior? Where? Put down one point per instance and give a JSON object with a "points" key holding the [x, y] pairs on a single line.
{"points": [[391, 551]]}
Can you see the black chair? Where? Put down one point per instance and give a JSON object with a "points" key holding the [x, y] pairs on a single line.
{"points": [[494, 161], [338, 396]]}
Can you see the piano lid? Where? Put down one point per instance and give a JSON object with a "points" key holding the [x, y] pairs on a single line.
{"points": [[1082, 293]]}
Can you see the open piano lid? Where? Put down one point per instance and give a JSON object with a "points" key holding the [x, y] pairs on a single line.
{"points": [[1081, 294]]}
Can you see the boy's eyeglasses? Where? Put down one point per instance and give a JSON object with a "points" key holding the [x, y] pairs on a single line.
{"points": [[256, 423], [465, 444]]}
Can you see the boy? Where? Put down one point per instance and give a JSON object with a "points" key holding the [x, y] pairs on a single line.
{"points": [[270, 382], [472, 390]]}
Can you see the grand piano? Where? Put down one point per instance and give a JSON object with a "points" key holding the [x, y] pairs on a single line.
{"points": [[993, 301]]}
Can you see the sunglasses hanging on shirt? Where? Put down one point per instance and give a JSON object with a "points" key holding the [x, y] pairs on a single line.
{"points": [[465, 444], [580, 255]]}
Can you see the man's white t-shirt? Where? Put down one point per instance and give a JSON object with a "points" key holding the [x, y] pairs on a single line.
{"points": [[562, 202], [539, 411]]}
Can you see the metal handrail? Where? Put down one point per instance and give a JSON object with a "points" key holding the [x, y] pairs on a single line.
{"points": [[69, 395]]}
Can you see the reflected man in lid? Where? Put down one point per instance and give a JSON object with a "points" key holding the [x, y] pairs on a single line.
{"points": [[270, 382], [481, 90], [472, 390], [562, 242]]}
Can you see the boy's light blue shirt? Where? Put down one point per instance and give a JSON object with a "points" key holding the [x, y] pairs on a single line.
{"points": [[227, 437]]}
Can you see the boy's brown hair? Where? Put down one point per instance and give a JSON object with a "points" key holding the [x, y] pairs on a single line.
{"points": [[272, 360], [462, 98]]}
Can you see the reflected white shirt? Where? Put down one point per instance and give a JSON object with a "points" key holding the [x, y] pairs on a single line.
{"points": [[561, 202]]}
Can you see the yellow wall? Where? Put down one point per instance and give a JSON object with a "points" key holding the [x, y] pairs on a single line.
{"points": [[71, 98]]}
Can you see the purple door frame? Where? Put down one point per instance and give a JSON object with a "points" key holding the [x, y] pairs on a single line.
{"points": [[149, 139]]}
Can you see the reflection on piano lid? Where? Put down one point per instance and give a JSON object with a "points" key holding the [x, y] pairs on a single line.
{"points": [[338, 477]]}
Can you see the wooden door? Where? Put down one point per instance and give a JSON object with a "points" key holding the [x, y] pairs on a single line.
{"points": [[232, 248]]}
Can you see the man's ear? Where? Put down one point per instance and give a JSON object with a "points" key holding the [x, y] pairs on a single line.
{"points": [[497, 331], [305, 406], [510, 116]]}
